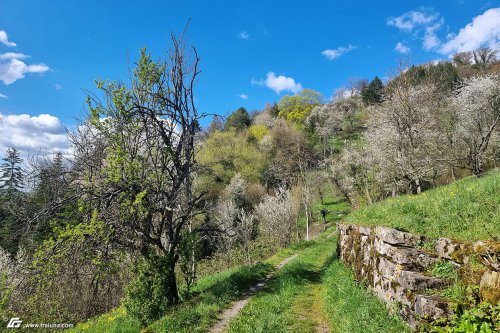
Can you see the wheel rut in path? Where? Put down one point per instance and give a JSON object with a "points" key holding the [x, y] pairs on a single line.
{"points": [[228, 314]]}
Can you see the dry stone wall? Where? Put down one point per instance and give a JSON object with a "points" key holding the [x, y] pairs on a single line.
{"points": [[395, 265]]}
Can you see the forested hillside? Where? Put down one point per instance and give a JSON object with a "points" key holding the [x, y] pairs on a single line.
{"points": [[153, 212]]}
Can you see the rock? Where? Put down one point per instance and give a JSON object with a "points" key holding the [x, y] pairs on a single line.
{"points": [[393, 266], [452, 250], [396, 237], [409, 258], [489, 288], [416, 281], [431, 308]]}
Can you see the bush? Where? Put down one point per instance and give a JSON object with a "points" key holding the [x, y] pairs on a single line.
{"points": [[484, 318], [146, 296]]}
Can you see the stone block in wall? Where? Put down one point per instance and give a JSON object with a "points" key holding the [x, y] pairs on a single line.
{"points": [[410, 258], [489, 288], [396, 237], [431, 307], [453, 250], [415, 281]]}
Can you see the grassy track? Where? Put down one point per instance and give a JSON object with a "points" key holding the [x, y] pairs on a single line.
{"points": [[268, 311], [315, 293]]}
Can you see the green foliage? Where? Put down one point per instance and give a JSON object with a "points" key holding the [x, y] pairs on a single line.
{"points": [[466, 209], [456, 292], [5, 293], [225, 154], [76, 260], [145, 298], [483, 318], [238, 120], [444, 270], [257, 132], [116, 321], [444, 75], [296, 108], [374, 92], [11, 173]]}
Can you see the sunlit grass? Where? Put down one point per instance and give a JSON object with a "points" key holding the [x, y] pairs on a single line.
{"points": [[352, 309], [466, 209], [268, 311]]}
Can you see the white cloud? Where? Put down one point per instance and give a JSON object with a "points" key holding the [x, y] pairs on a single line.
{"points": [[3, 96], [57, 86], [243, 96], [332, 54], [279, 83], [33, 134], [13, 55], [422, 24], [4, 39], [401, 48], [484, 30], [244, 35], [430, 42], [13, 69], [413, 19]]}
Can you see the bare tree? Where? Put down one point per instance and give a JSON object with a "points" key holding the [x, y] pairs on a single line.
{"points": [[137, 158], [462, 58], [484, 56]]}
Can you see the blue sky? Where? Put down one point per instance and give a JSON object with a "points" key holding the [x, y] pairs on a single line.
{"points": [[260, 50]]}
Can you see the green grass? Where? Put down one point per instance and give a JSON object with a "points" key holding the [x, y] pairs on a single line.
{"points": [[467, 209], [115, 321], [268, 311], [210, 296], [215, 293], [336, 209], [276, 308], [316, 273], [352, 309]]}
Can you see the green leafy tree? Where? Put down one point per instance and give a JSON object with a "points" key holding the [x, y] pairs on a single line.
{"points": [[11, 201], [296, 108], [373, 93], [225, 154], [50, 193], [257, 132], [238, 120]]}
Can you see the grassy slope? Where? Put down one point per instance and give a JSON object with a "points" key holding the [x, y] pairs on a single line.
{"points": [[304, 297], [213, 294], [467, 209]]}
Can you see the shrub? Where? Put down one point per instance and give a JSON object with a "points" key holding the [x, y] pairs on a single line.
{"points": [[484, 318], [145, 298]]}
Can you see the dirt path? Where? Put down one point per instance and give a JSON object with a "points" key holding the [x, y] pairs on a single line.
{"points": [[236, 307]]}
